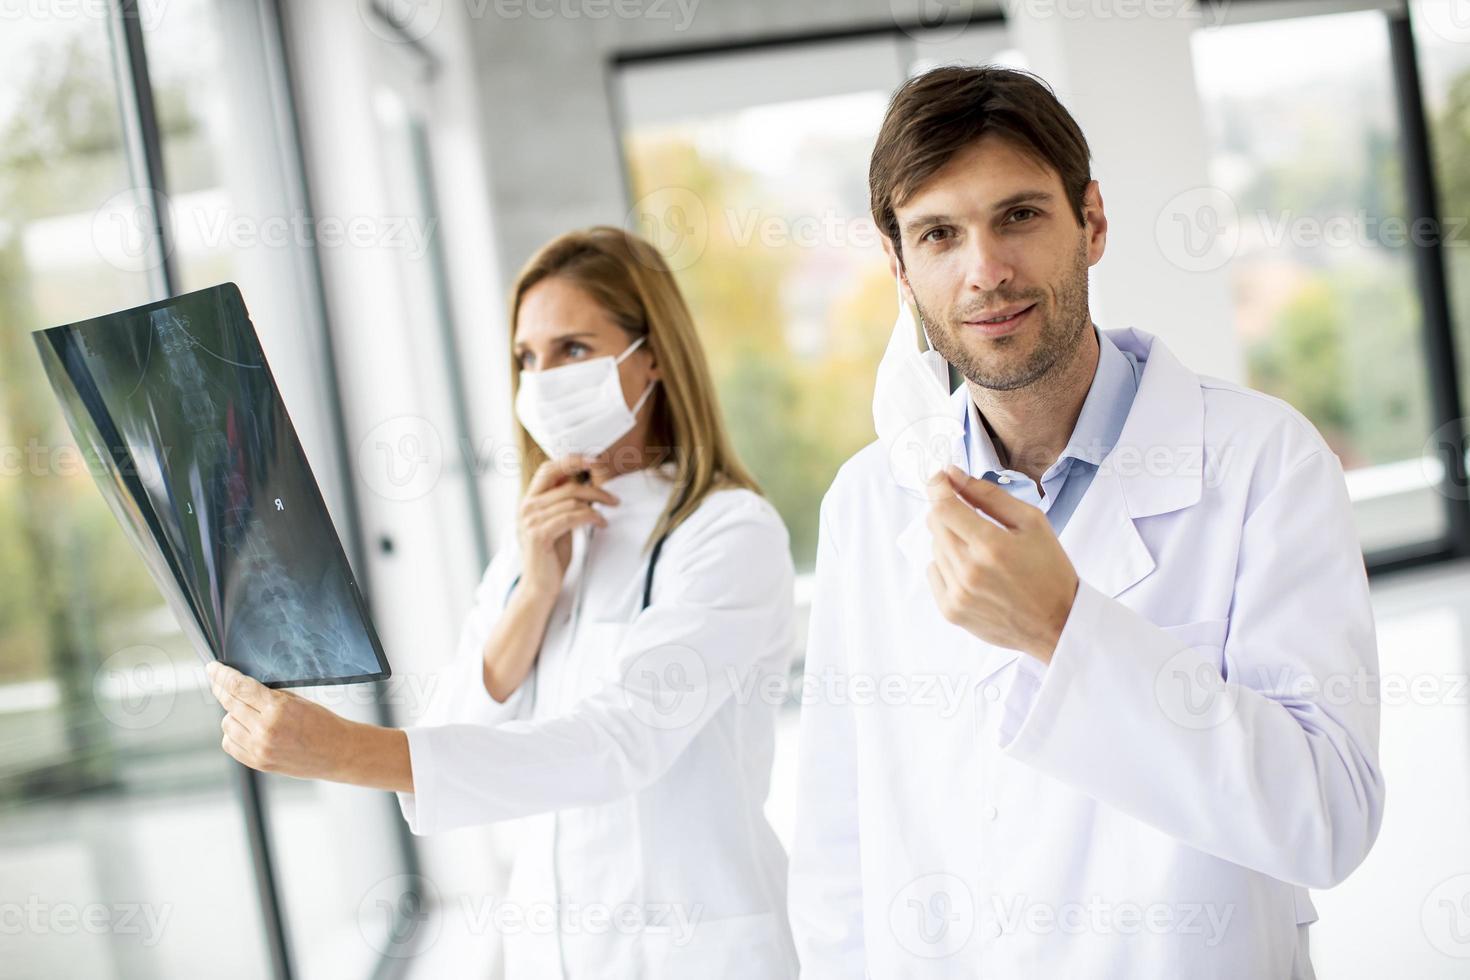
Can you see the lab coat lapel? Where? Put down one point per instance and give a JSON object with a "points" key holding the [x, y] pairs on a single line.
{"points": [[1155, 467], [1102, 541], [1100, 537]]}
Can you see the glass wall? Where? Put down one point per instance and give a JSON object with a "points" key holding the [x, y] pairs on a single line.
{"points": [[1442, 42], [750, 171], [125, 849], [749, 168], [1326, 304], [122, 845]]}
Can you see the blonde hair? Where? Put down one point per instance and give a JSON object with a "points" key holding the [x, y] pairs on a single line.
{"points": [[629, 279]]}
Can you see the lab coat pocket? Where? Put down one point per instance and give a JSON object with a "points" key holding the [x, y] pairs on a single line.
{"points": [[1205, 636]]}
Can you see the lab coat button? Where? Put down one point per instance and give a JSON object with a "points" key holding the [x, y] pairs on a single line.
{"points": [[992, 693], [991, 813], [1003, 479]]}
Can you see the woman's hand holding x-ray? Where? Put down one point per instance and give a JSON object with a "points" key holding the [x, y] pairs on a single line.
{"points": [[277, 731], [1010, 583]]}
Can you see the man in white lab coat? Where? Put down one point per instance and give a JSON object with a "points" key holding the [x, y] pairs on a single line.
{"points": [[1098, 699]]}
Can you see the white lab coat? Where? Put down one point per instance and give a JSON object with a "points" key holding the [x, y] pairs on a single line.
{"points": [[637, 751], [1122, 812]]}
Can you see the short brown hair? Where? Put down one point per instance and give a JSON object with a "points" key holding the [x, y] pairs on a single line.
{"points": [[935, 115]]}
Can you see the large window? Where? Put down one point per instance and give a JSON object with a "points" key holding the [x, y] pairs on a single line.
{"points": [[139, 158], [1329, 303], [750, 172], [1442, 39], [122, 848], [748, 168]]}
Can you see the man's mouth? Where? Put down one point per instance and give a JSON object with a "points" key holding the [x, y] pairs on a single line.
{"points": [[1001, 322]]}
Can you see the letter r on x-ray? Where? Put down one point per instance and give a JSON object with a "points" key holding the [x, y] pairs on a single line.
{"points": [[279, 505]]}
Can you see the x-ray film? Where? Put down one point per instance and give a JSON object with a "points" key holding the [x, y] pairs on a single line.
{"points": [[206, 474]]}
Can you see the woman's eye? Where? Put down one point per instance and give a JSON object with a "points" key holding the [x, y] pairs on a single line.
{"points": [[576, 349]]}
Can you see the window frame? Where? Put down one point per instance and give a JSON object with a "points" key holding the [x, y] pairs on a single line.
{"points": [[126, 38]]}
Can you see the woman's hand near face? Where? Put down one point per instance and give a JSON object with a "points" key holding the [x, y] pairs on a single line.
{"points": [[555, 504]]}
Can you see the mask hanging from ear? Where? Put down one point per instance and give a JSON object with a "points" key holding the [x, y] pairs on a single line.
{"points": [[911, 406]]}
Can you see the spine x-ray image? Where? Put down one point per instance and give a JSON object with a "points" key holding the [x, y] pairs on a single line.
{"points": [[206, 474]]}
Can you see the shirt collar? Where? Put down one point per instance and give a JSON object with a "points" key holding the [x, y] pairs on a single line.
{"points": [[647, 483], [1104, 410]]}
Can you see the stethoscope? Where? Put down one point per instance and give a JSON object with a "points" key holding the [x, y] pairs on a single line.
{"points": [[658, 547]]}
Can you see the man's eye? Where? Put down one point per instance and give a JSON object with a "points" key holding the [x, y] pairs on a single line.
{"points": [[1023, 211], [934, 234]]}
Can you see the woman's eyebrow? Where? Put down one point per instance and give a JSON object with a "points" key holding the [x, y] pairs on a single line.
{"points": [[521, 344]]}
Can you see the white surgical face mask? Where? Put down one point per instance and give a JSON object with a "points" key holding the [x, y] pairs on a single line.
{"points": [[578, 408], [911, 406]]}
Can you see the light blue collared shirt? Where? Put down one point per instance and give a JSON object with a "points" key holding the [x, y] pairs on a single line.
{"points": [[1099, 424]]}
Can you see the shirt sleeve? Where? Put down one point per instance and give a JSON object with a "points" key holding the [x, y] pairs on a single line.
{"points": [[1262, 751], [722, 603], [825, 886]]}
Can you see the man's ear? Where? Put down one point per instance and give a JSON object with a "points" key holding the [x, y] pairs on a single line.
{"points": [[895, 268], [895, 265], [1096, 221]]}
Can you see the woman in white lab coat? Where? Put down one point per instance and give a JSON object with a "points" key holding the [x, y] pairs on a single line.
{"points": [[613, 680]]}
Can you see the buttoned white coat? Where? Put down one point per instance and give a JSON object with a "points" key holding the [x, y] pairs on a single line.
{"points": [[636, 753], [1155, 802]]}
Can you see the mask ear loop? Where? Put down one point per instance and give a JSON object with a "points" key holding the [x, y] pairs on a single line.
{"points": [[918, 314], [648, 389], [631, 348]]}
